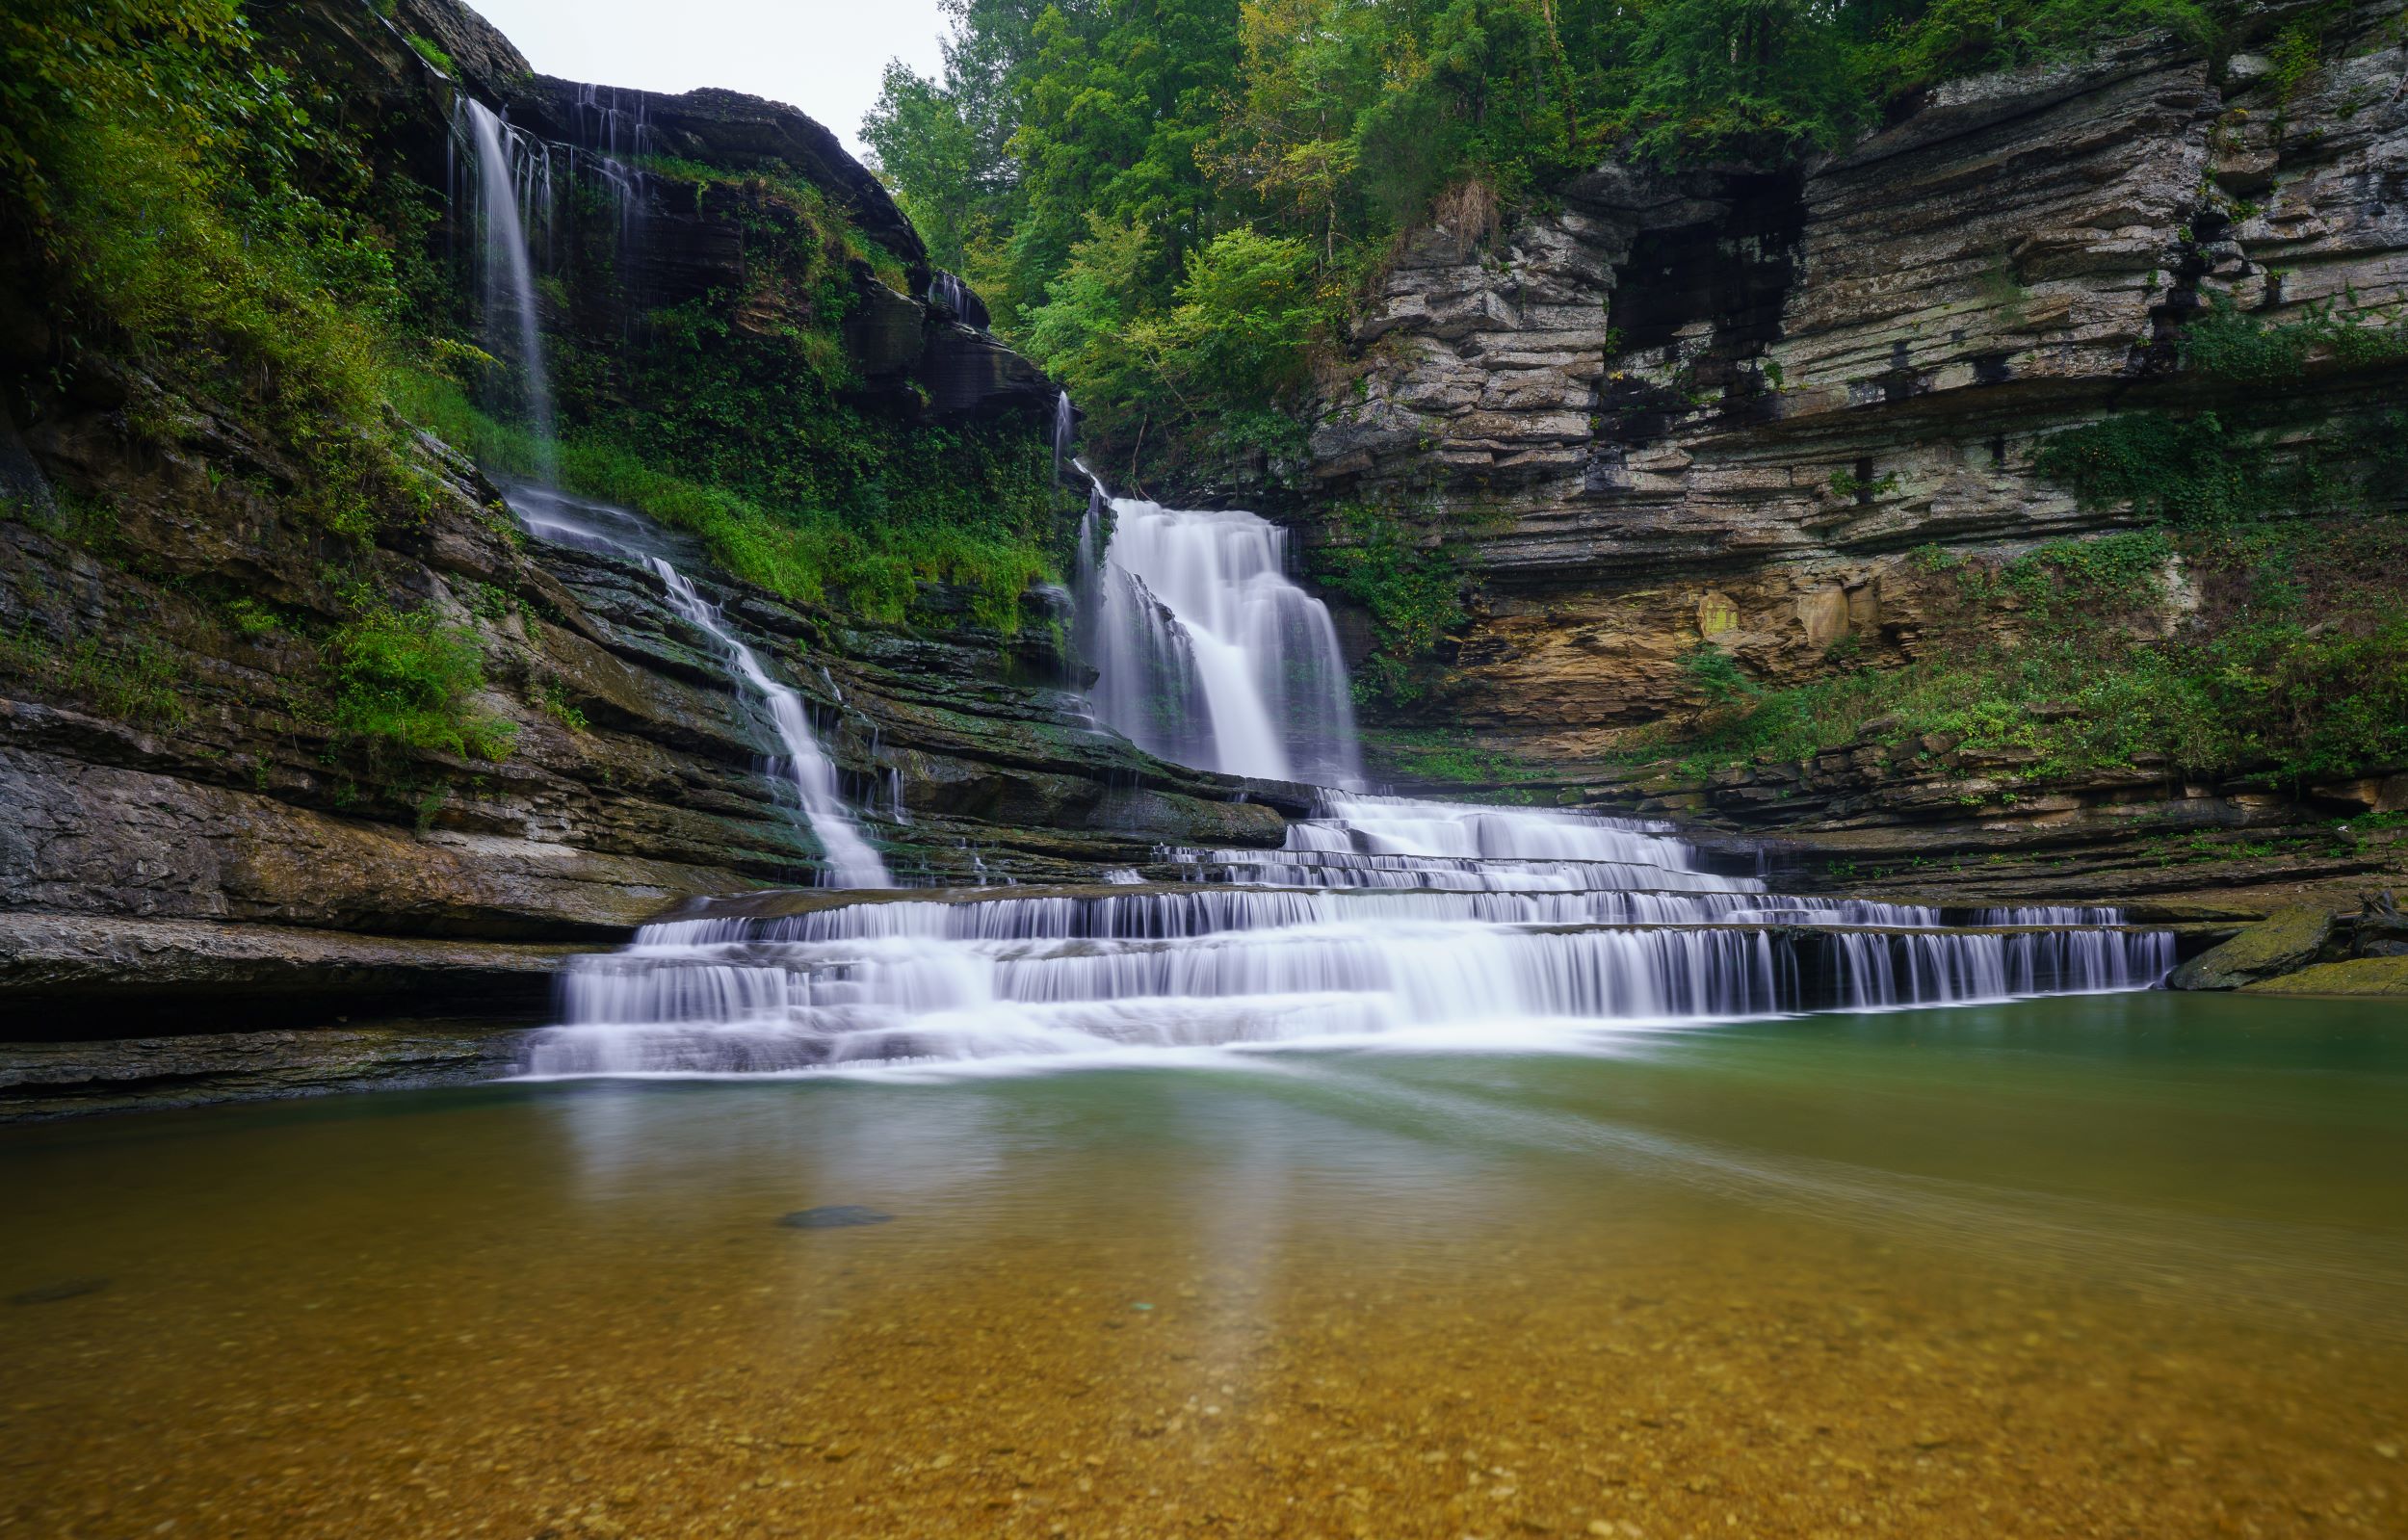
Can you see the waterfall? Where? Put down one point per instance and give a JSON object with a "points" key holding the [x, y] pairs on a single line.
{"points": [[1065, 432], [1376, 918], [948, 293], [850, 860], [1206, 653], [513, 185]]}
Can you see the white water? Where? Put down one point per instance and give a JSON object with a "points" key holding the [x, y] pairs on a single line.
{"points": [[851, 861], [513, 178], [513, 184], [1535, 927], [1379, 918], [1206, 653]]}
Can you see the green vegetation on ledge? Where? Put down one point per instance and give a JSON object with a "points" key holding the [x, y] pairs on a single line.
{"points": [[2295, 664]]}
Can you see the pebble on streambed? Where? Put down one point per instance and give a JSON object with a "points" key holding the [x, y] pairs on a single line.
{"points": [[835, 1216]]}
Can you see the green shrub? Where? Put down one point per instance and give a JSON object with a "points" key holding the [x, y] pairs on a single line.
{"points": [[405, 685], [431, 54]]}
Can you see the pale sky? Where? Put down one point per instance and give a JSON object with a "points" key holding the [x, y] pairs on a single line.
{"points": [[823, 56]]}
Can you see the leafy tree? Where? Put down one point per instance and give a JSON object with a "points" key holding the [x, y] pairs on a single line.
{"points": [[1077, 159]]}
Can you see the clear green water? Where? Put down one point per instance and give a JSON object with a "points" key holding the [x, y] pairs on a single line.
{"points": [[2130, 1264]]}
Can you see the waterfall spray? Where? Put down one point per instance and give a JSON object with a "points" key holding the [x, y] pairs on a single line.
{"points": [[1206, 652], [1542, 921]]}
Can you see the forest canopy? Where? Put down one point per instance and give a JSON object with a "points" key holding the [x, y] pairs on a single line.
{"points": [[1170, 202]]}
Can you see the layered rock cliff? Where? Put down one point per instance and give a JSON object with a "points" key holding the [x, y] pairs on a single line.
{"points": [[1723, 407], [1741, 413], [196, 838]]}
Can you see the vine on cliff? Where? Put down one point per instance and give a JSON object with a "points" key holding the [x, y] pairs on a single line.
{"points": [[1411, 592]]}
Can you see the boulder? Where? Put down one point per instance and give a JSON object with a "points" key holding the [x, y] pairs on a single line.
{"points": [[2285, 942]]}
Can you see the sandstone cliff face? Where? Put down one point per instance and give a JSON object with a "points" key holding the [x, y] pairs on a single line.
{"points": [[1723, 407]]}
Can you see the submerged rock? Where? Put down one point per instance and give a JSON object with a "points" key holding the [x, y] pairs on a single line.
{"points": [[65, 1288], [834, 1216]]}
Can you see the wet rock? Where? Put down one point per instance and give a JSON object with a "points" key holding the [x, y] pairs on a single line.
{"points": [[194, 1068], [834, 1216], [2285, 942]]}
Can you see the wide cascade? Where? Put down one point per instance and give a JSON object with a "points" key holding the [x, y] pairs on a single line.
{"points": [[1380, 916]]}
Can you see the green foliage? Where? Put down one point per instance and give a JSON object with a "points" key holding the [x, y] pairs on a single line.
{"points": [[1445, 754], [137, 680], [2231, 342], [1716, 675], [1758, 79], [1413, 596], [192, 210], [405, 685], [1237, 338], [2191, 470], [1087, 163], [552, 699], [1914, 46], [427, 50], [976, 512], [1846, 484], [2267, 679]]}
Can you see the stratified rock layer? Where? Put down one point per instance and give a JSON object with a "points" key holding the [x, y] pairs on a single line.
{"points": [[1721, 409]]}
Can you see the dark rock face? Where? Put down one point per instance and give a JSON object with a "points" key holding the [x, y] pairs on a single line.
{"points": [[723, 128], [191, 1068]]}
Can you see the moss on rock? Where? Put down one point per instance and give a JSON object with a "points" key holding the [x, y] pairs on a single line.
{"points": [[2285, 942], [2366, 977]]}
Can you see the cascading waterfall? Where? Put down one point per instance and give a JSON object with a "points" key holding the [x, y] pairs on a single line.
{"points": [[1206, 652], [850, 860], [512, 186], [1533, 925], [1378, 917], [803, 767]]}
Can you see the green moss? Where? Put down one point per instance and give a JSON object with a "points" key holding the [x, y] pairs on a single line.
{"points": [[971, 508], [2299, 667], [1445, 754]]}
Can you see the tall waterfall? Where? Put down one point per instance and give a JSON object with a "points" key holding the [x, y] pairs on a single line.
{"points": [[1206, 652], [512, 190], [513, 180]]}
